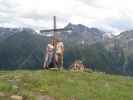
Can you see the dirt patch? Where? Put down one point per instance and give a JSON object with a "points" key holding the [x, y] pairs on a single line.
{"points": [[44, 97]]}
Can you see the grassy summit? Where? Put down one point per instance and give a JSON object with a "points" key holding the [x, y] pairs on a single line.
{"points": [[36, 85]]}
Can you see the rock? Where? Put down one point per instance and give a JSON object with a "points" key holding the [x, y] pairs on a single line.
{"points": [[73, 98], [78, 66], [16, 97], [45, 97]]}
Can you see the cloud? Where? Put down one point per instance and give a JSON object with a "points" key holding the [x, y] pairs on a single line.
{"points": [[109, 15]]}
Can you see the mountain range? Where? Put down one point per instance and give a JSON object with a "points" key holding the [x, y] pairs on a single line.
{"points": [[25, 48]]}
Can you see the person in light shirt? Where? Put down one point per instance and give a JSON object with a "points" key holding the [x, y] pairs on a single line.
{"points": [[49, 55]]}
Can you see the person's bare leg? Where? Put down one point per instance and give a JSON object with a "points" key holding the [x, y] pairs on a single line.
{"points": [[60, 61], [45, 62], [56, 61]]}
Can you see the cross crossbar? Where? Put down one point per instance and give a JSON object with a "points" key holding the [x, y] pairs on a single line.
{"points": [[55, 30]]}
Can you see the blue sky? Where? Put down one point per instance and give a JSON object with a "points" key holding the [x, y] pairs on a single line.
{"points": [[109, 15]]}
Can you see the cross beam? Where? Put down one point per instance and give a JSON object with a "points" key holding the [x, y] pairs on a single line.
{"points": [[55, 30]]}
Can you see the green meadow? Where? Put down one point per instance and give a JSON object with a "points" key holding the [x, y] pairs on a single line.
{"points": [[64, 85]]}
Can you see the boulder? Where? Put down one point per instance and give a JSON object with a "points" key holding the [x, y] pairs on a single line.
{"points": [[16, 97], [78, 66]]}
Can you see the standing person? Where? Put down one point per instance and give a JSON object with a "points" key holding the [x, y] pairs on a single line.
{"points": [[49, 55], [59, 53]]}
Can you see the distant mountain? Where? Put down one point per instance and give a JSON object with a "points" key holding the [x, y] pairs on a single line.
{"points": [[24, 48], [126, 42], [108, 35], [8, 32], [82, 34], [126, 39], [21, 48], [126, 34]]}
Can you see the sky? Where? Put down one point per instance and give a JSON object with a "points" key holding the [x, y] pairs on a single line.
{"points": [[108, 15]]}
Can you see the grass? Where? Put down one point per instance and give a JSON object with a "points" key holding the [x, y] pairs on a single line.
{"points": [[65, 85]]}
